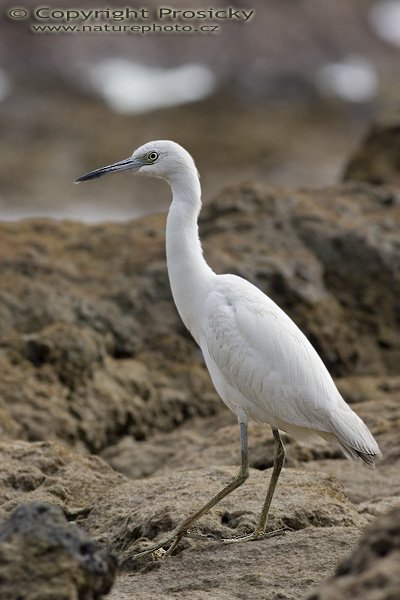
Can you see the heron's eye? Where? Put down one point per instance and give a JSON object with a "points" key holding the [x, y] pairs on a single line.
{"points": [[152, 156]]}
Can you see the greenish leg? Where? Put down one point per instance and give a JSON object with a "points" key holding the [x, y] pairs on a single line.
{"points": [[279, 459], [177, 534], [260, 531]]}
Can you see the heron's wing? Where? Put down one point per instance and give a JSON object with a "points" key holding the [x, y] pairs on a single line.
{"points": [[260, 351]]}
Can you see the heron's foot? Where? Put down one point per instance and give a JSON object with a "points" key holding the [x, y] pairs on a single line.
{"points": [[156, 553], [255, 536], [164, 548], [195, 534]]}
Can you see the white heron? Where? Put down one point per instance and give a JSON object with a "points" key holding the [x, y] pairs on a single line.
{"points": [[262, 366]]}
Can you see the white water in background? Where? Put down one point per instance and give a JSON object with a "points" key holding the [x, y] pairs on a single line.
{"points": [[353, 79], [127, 88], [384, 18], [130, 87], [84, 214]]}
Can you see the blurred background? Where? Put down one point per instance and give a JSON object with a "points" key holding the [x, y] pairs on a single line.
{"points": [[285, 98]]}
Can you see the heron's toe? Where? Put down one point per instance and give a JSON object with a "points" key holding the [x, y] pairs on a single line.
{"points": [[159, 554], [254, 536]]}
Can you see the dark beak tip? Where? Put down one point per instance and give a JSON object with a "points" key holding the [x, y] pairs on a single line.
{"points": [[91, 175], [81, 179], [123, 165]]}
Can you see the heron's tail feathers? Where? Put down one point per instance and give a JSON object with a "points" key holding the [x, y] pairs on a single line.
{"points": [[354, 436], [353, 454]]}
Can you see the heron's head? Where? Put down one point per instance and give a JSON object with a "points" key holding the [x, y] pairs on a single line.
{"points": [[164, 159]]}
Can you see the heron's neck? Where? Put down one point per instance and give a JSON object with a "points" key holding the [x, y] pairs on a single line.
{"points": [[189, 274]]}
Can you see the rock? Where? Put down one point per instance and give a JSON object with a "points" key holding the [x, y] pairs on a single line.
{"points": [[48, 472], [378, 506], [78, 366], [208, 441], [120, 514], [377, 159], [129, 514], [371, 571], [279, 568], [368, 388], [43, 557], [93, 356], [92, 349], [361, 484]]}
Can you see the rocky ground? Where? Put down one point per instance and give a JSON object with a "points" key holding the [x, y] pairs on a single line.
{"points": [[97, 368]]}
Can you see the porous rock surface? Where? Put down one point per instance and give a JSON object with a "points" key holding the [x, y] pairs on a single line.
{"points": [[43, 557], [282, 568], [371, 571], [151, 508], [92, 347], [94, 359], [377, 159], [49, 472]]}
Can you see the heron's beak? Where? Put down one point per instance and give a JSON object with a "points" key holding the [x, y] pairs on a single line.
{"points": [[123, 165]]}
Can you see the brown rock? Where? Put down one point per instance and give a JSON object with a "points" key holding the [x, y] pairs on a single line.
{"points": [[45, 471], [202, 442], [279, 568], [43, 557], [148, 509], [372, 570], [71, 337], [208, 441], [93, 354], [92, 348], [377, 160]]}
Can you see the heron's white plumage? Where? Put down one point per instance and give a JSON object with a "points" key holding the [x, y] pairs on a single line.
{"points": [[261, 364], [259, 359], [260, 352]]}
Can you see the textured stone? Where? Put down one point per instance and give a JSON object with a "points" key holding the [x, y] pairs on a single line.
{"points": [[208, 441], [149, 509], [45, 471], [93, 355], [280, 568], [372, 570], [43, 557], [377, 159], [92, 348]]}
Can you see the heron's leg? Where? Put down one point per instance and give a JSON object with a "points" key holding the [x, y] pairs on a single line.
{"points": [[177, 534], [260, 531], [279, 459]]}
